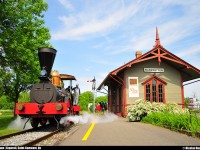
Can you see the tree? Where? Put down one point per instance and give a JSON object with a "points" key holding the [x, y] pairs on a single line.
{"points": [[85, 98], [21, 34], [187, 102], [102, 99]]}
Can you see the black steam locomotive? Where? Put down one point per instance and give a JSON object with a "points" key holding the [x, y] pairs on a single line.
{"points": [[48, 102]]}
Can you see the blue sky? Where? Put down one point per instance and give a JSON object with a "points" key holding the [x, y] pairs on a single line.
{"points": [[94, 37]]}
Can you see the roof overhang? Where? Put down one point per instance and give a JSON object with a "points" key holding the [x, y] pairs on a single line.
{"points": [[67, 77]]}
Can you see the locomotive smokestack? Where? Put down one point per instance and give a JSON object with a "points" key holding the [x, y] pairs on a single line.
{"points": [[46, 58]]}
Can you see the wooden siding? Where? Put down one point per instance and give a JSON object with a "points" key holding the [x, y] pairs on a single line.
{"points": [[170, 75]]}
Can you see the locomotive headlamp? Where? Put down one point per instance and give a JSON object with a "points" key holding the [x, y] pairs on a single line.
{"points": [[59, 107], [43, 72], [20, 107]]}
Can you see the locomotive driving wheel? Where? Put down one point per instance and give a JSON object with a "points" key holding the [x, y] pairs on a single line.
{"points": [[43, 121], [34, 122]]}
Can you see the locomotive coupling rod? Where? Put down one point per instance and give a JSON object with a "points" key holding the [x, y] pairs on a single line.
{"points": [[57, 122], [26, 122]]}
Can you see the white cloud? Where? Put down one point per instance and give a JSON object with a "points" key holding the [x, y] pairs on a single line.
{"points": [[66, 4], [171, 28], [88, 69], [84, 24], [191, 51], [115, 29], [102, 61]]}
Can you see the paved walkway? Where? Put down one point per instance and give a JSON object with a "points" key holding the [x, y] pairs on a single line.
{"points": [[120, 132]]}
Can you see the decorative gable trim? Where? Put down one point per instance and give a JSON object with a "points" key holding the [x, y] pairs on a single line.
{"points": [[156, 78]]}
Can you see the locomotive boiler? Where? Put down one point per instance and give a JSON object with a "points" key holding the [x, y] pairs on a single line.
{"points": [[47, 99], [44, 91]]}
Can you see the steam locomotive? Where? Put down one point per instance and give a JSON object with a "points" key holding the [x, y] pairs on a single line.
{"points": [[48, 102]]}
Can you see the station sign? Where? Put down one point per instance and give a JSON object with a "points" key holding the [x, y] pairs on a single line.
{"points": [[153, 69]]}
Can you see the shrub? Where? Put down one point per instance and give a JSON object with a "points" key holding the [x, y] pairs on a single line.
{"points": [[141, 109], [187, 102], [24, 97], [174, 121], [5, 103]]}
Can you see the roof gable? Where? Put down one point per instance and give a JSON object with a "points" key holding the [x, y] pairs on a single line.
{"points": [[161, 54], [158, 52]]}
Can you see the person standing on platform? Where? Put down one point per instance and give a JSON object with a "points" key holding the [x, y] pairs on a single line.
{"points": [[77, 93]]}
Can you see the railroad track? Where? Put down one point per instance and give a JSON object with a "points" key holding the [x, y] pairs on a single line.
{"points": [[34, 142], [28, 137], [14, 134]]}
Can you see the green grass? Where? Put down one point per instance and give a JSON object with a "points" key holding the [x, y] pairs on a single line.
{"points": [[6, 117], [174, 121]]}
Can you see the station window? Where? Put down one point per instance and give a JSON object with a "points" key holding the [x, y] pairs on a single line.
{"points": [[154, 89]]}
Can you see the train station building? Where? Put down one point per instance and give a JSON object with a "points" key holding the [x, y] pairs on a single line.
{"points": [[156, 76]]}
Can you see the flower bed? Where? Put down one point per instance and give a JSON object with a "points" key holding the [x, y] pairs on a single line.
{"points": [[168, 115]]}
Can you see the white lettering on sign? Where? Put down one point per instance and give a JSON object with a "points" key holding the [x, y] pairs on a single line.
{"points": [[153, 69]]}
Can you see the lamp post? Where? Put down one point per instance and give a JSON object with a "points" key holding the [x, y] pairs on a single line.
{"points": [[93, 89]]}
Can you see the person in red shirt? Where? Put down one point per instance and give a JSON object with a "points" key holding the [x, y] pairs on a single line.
{"points": [[98, 107]]}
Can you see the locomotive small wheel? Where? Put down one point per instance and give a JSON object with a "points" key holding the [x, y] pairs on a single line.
{"points": [[20, 107], [43, 121], [59, 107], [34, 123]]}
